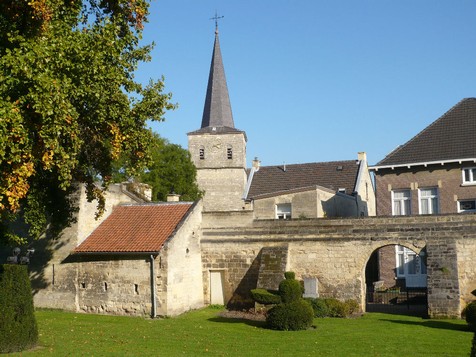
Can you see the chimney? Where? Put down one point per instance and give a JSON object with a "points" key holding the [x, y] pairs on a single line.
{"points": [[256, 164], [173, 197], [362, 156]]}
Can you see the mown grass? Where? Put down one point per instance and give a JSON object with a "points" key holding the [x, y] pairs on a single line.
{"points": [[203, 332]]}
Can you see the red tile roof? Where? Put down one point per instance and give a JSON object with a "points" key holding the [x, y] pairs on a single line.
{"points": [[135, 229]]}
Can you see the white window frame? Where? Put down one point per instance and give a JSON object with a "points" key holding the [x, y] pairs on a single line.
{"points": [[407, 256], [429, 198], [471, 173], [283, 211], [401, 201], [465, 210]]}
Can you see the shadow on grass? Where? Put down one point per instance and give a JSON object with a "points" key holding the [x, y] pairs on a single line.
{"points": [[438, 324], [228, 320]]}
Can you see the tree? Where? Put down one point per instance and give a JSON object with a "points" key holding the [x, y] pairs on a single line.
{"points": [[171, 170], [69, 104]]}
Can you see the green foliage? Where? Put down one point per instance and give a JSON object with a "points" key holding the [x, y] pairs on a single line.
{"points": [[330, 307], [292, 316], [69, 104], [18, 329], [289, 275], [265, 297], [469, 314], [290, 290], [171, 170], [319, 307]]}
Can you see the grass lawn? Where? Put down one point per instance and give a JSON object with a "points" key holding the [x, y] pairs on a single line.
{"points": [[204, 333]]}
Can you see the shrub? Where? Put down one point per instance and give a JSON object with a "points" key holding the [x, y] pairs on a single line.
{"points": [[319, 307], [293, 316], [289, 275], [290, 290], [337, 308], [265, 297], [18, 329], [469, 313], [352, 306]]}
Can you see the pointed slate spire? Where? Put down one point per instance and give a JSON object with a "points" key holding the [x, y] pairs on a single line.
{"points": [[217, 110]]}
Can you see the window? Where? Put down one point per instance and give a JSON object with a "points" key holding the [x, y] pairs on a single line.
{"points": [[201, 153], [467, 205], [401, 202], [428, 200], [229, 153], [408, 262], [283, 211], [469, 175]]}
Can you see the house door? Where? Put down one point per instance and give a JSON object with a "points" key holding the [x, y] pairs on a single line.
{"points": [[216, 288]]}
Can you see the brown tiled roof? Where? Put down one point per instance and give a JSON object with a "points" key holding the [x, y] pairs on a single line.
{"points": [[451, 137], [135, 229], [279, 179]]}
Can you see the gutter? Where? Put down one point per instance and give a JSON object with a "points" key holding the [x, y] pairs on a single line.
{"points": [[423, 163]]}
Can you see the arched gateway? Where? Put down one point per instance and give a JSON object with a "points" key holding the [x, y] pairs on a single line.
{"points": [[335, 253]]}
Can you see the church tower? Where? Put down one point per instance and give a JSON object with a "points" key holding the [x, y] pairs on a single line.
{"points": [[218, 149]]}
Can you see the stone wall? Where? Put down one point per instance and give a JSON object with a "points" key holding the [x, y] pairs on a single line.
{"points": [[222, 177], [183, 267], [54, 282], [336, 251]]}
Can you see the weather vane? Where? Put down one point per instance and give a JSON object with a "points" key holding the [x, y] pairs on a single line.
{"points": [[216, 18]]}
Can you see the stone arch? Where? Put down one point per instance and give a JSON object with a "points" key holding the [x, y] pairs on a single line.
{"points": [[394, 265]]}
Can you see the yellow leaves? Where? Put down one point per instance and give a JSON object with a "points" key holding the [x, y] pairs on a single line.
{"points": [[41, 11], [116, 142], [47, 159], [15, 185]]}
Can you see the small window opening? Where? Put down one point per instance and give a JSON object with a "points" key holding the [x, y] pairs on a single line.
{"points": [[83, 285], [136, 289], [201, 152], [105, 286], [229, 153]]}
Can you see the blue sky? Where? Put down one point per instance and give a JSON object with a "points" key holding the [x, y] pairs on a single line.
{"points": [[313, 80]]}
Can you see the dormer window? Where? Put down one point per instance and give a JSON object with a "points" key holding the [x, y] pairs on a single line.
{"points": [[469, 175], [201, 153], [229, 153]]}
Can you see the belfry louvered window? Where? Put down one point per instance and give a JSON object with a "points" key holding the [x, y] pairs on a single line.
{"points": [[201, 153], [229, 153]]}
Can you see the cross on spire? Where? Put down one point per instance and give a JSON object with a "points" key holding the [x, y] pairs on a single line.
{"points": [[216, 18]]}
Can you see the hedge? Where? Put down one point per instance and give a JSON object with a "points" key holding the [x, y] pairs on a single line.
{"points": [[265, 297], [293, 316], [18, 328]]}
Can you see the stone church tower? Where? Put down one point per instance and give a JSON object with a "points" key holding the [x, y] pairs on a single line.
{"points": [[218, 149]]}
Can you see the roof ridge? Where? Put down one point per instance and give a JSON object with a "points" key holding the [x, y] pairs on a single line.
{"points": [[310, 163]]}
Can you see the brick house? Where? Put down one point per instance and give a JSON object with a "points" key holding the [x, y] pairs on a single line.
{"points": [[435, 171], [432, 173]]}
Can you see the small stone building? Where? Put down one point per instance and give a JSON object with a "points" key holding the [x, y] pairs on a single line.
{"points": [[143, 259]]}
